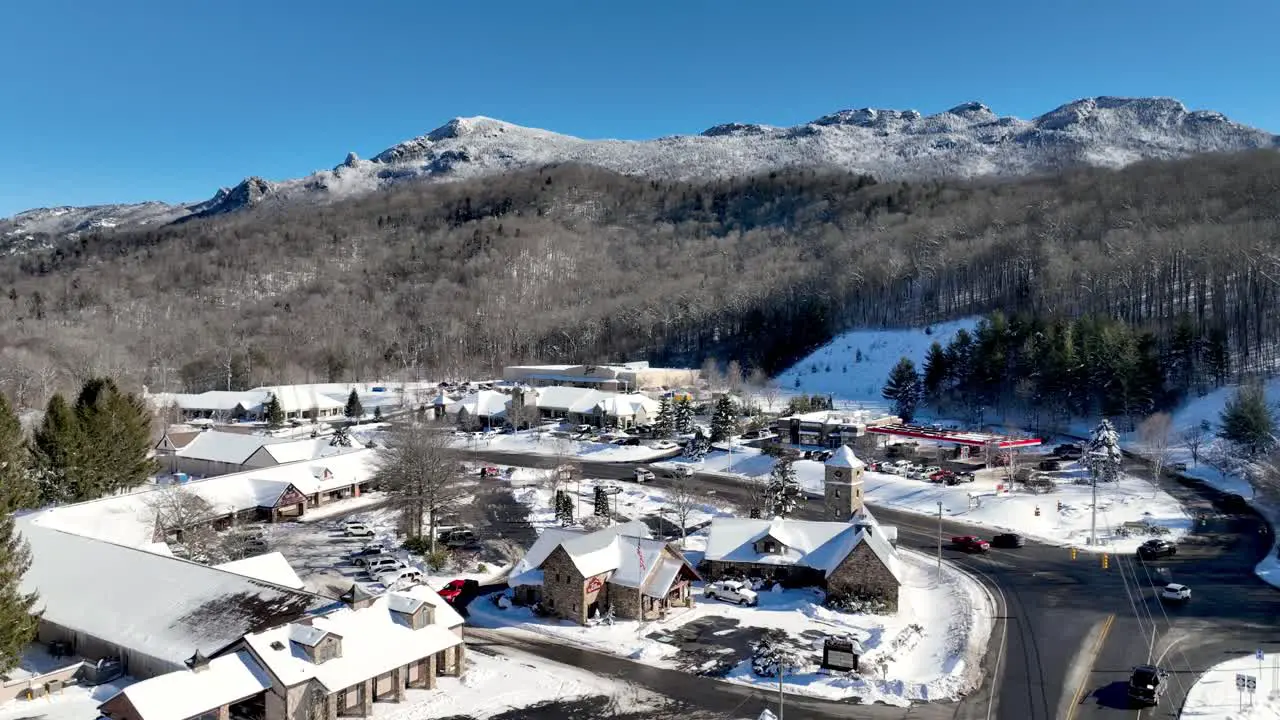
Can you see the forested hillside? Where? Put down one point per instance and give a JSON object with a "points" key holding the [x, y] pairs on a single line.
{"points": [[576, 264]]}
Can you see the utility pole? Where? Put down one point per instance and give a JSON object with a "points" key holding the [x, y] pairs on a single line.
{"points": [[781, 669], [939, 540]]}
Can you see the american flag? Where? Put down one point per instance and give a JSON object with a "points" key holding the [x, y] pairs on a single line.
{"points": [[640, 555]]}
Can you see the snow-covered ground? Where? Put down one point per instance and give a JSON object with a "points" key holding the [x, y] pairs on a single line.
{"points": [[497, 681], [1218, 466], [980, 503], [71, 703], [544, 443], [1215, 697], [853, 367], [508, 680], [928, 650]]}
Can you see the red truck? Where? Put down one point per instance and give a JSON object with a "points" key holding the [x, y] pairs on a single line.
{"points": [[970, 543]]}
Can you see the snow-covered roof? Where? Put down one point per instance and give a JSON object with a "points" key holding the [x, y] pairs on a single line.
{"points": [[485, 403], [186, 693], [569, 399], [537, 553], [374, 641], [224, 447], [627, 405], [213, 400], [288, 451], [597, 552], [819, 545], [154, 605], [300, 398], [271, 567], [844, 458], [660, 580]]}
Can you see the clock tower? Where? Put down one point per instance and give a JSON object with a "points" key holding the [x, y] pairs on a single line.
{"points": [[842, 486]]}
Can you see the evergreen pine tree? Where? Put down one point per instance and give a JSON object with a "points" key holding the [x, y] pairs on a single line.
{"points": [[564, 508], [665, 422], [17, 618], [724, 420], [56, 449], [1247, 422], [935, 373], [115, 427], [17, 488], [601, 502], [354, 409], [1102, 456], [903, 389], [683, 415], [1217, 356], [698, 446], [274, 412], [784, 488], [377, 413]]}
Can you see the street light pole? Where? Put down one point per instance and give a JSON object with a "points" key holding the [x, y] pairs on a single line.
{"points": [[780, 671]]}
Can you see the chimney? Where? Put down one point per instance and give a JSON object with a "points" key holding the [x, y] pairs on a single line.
{"points": [[197, 662]]}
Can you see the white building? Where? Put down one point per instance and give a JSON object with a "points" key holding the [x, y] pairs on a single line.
{"points": [[622, 377]]}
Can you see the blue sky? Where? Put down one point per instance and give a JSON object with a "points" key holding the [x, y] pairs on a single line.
{"points": [[141, 99]]}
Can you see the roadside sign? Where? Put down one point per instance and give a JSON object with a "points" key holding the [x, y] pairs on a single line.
{"points": [[1251, 682], [1241, 681], [1260, 655]]}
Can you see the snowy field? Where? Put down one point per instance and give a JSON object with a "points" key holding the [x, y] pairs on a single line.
{"points": [[928, 651], [543, 443], [1214, 696], [853, 367], [497, 681]]}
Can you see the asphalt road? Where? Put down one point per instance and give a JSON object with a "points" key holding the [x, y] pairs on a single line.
{"points": [[1068, 632]]}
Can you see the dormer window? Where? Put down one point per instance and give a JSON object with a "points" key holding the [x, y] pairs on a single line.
{"points": [[769, 545]]}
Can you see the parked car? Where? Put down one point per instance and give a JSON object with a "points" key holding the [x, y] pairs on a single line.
{"points": [[682, 471], [1156, 548], [358, 530], [734, 591], [376, 567], [1050, 464], [458, 538], [1175, 593], [1179, 467], [489, 471], [401, 578], [1147, 685], [455, 589], [753, 434], [644, 475], [970, 543], [964, 477], [369, 550], [365, 560], [1008, 540], [942, 476]]}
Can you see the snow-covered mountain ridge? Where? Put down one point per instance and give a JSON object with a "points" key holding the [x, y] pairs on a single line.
{"points": [[966, 141]]}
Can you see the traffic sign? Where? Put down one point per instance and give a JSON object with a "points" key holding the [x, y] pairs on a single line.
{"points": [[1251, 682], [1240, 681], [1259, 655]]}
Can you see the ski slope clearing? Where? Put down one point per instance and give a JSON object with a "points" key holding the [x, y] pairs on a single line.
{"points": [[853, 367]]}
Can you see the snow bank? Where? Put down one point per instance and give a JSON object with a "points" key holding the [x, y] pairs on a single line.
{"points": [[1214, 696]]}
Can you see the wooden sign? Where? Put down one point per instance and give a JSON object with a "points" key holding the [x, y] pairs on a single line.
{"points": [[594, 584]]}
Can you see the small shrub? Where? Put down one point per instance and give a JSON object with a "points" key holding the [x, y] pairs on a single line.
{"points": [[418, 545], [770, 653], [857, 604], [438, 560], [482, 568]]}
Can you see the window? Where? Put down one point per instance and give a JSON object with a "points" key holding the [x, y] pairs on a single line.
{"points": [[551, 602], [837, 492]]}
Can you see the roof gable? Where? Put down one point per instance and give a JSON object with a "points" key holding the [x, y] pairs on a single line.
{"points": [[820, 545], [223, 447], [844, 458]]}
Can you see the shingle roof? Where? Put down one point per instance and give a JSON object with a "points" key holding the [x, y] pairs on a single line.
{"points": [[155, 605], [186, 694], [271, 567], [223, 447], [373, 642], [819, 545]]}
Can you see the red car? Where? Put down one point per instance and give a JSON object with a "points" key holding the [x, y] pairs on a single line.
{"points": [[451, 591], [970, 543], [489, 471]]}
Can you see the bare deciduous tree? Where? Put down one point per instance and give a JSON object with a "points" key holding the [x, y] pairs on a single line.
{"points": [[1195, 437], [421, 476], [1154, 434], [188, 518], [682, 502]]}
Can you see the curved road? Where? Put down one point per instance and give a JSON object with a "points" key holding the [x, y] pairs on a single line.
{"points": [[1068, 632]]}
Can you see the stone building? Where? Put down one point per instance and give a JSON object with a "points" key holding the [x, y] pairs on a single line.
{"points": [[851, 559], [842, 485], [579, 576]]}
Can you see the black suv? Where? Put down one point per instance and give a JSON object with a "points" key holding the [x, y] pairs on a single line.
{"points": [[1152, 549], [1008, 540], [1146, 685]]}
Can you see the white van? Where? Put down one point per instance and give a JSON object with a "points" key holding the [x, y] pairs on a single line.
{"points": [[403, 577]]}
